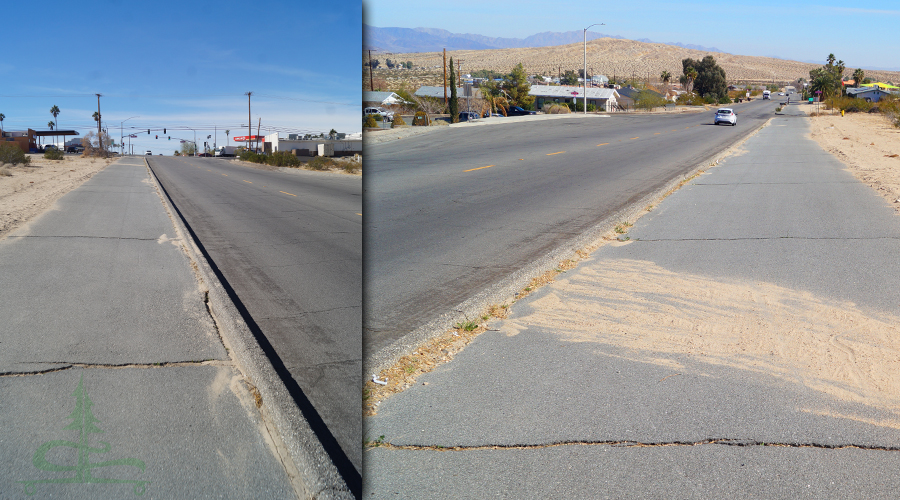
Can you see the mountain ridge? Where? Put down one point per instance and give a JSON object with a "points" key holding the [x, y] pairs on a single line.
{"points": [[413, 40]]}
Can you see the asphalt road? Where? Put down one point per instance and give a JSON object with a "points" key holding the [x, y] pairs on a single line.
{"points": [[453, 212], [289, 245]]}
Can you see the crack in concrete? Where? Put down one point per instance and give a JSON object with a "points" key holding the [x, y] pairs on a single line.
{"points": [[70, 365], [766, 238], [631, 444], [85, 237]]}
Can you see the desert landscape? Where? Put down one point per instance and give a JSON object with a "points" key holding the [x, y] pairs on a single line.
{"points": [[605, 56]]}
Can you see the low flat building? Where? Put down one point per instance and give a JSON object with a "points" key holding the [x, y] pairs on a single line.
{"points": [[371, 98], [602, 99], [438, 92], [868, 94], [348, 146]]}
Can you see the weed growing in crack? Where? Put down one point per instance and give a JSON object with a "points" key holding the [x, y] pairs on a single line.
{"points": [[467, 326], [375, 443]]}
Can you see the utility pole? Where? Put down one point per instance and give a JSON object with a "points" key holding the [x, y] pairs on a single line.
{"points": [[257, 132], [371, 80], [250, 123], [99, 122], [445, 77]]}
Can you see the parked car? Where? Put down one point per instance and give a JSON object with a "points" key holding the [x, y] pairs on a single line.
{"points": [[468, 115], [517, 111], [74, 149], [385, 114], [148, 153], [726, 115], [488, 114]]}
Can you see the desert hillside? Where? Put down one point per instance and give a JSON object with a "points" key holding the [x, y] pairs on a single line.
{"points": [[607, 56]]}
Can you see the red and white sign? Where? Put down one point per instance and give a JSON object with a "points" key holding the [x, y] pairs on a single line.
{"points": [[243, 138]]}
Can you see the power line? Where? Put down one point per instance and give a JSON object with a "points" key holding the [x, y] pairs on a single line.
{"points": [[170, 96]]}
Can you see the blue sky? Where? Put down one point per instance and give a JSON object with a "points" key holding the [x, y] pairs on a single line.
{"points": [[859, 33], [182, 64]]}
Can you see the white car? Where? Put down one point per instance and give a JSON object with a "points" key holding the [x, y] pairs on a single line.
{"points": [[726, 115], [147, 153], [385, 115]]}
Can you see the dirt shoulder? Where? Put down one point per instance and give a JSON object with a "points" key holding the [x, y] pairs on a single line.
{"points": [[868, 144], [342, 165], [27, 191]]}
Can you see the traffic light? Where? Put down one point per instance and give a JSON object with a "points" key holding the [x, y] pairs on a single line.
{"points": [[164, 131], [148, 131], [156, 136], [170, 137]]}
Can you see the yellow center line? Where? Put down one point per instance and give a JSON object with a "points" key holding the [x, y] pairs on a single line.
{"points": [[226, 175], [633, 138], [479, 168], [359, 215], [208, 170], [604, 144], [657, 133], [288, 193], [676, 130], [248, 182], [556, 153]]}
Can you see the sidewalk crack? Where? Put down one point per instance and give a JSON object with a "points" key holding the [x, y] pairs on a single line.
{"points": [[70, 365], [380, 443], [767, 238], [84, 237]]}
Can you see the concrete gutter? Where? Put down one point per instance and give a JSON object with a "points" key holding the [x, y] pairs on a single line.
{"points": [[311, 470]]}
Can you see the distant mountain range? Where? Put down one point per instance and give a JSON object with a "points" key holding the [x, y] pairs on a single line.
{"points": [[402, 40]]}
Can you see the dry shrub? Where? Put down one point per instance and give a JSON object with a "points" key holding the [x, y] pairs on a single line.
{"points": [[556, 109], [12, 154], [320, 163], [4, 171]]}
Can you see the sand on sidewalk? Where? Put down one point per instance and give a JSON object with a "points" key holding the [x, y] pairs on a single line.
{"points": [[31, 189]]}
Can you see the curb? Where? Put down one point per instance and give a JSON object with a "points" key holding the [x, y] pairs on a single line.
{"points": [[318, 476]]}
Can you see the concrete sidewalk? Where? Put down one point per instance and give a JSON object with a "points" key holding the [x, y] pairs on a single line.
{"points": [[115, 382], [739, 342]]}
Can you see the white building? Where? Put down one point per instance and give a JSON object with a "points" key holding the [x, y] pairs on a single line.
{"points": [[343, 146], [602, 99]]}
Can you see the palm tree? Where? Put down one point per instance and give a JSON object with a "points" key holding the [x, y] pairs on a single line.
{"points": [[665, 76], [50, 124], [2, 116], [691, 75], [858, 76], [55, 112], [226, 136]]}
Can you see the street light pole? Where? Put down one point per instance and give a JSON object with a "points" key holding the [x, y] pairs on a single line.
{"points": [[585, 63], [121, 137]]}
